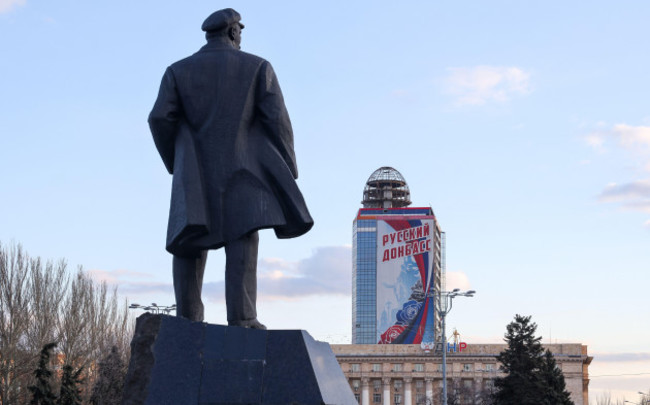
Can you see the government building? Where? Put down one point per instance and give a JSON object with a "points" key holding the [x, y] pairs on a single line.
{"points": [[407, 375]]}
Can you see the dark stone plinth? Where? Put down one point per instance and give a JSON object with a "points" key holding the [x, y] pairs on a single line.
{"points": [[176, 361]]}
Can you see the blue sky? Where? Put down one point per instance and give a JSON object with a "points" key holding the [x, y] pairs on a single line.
{"points": [[526, 126]]}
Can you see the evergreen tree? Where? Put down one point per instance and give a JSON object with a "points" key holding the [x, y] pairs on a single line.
{"points": [[70, 394], [521, 361], [108, 388], [42, 391], [553, 381], [533, 377]]}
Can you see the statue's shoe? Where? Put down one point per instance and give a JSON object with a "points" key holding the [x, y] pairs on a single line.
{"points": [[251, 323]]}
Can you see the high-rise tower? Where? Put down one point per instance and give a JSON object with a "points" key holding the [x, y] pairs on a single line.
{"points": [[397, 264]]}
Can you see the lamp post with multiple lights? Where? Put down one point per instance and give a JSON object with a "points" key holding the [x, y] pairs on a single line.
{"points": [[446, 302], [155, 308], [644, 399]]}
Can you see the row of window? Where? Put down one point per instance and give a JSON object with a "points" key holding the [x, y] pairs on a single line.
{"points": [[420, 399], [377, 385], [418, 367], [364, 273], [370, 242]]}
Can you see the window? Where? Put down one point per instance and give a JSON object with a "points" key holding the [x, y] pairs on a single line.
{"points": [[490, 367], [355, 367], [397, 384], [376, 385], [376, 367], [376, 398], [356, 396], [489, 384], [397, 398], [420, 399], [468, 384], [439, 368], [419, 367], [419, 385], [397, 366], [467, 367]]}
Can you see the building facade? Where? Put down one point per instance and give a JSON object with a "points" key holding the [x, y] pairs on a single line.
{"points": [[397, 265], [398, 273], [407, 375]]}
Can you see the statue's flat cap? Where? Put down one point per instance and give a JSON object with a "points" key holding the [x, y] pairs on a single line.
{"points": [[221, 19]]}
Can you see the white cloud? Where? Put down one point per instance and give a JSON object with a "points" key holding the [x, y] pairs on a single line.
{"points": [[457, 279], [481, 84], [638, 205], [326, 272], [633, 196], [627, 192], [596, 141], [622, 357], [132, 283], [7, 5], [116, 276], [633, 137], [635, 142]]}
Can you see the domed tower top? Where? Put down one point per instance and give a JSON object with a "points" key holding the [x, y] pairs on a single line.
{"points": [[386, 188]]}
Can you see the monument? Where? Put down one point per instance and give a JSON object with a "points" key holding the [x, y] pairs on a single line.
{"points": [[223, 132]]}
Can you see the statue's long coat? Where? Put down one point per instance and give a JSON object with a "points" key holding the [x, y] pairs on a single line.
{"points": [[223, 131]]}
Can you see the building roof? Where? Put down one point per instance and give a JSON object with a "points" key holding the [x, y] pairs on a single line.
{"points": [[386, 188]]}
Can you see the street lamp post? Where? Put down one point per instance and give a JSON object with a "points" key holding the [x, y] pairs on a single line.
{"points": [[155, 308], [446, 302], [644, 399]]}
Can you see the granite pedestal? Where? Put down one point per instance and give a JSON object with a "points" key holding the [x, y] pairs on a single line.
{"points": [[176, 361]]}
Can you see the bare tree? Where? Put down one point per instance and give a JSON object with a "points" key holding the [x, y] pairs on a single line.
{"points": [[75, 325], [15, 363], [606, 399], [111, 374], [41, 303], [48, 285], [457, 393], [92, 322]]}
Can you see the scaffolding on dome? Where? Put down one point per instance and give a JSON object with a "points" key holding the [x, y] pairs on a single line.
{"points": [[386, 188]]}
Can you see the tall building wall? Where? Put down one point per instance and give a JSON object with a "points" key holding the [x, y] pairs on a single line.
{"points": [[396, 269], [364, 281]]}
